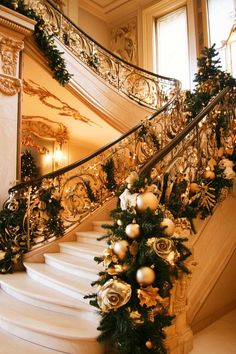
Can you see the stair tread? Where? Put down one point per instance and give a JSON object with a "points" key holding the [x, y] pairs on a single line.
{"points": [[91, 249], [73, 261], [45, 321], [11, 344], [23, 284], [71, 281]]}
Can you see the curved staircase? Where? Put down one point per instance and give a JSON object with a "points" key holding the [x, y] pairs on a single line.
{"points": [[45, 305]]}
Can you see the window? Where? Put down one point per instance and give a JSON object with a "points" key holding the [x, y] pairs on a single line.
{"points": [[221, 16], [172, 46]]}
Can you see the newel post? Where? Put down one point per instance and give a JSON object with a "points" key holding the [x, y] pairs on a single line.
{"points": [[14, 28], [179, 336]]}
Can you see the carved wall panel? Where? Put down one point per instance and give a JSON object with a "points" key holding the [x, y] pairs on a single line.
{"points": [[9, 54], [124, 41]]}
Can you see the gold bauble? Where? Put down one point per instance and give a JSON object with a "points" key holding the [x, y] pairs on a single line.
{"points": [[120, 248], [209, 174], [145, 276], [149, 344], [194, 187], [229, 151], [132, 230], [146, 200], [169, 226], [119, 222]]}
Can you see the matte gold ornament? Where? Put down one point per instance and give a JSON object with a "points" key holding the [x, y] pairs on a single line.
{"points": [[119, 222], [169, 226], [209, 174], [146, 200], [120, 248], [145, 276], [113, 294], [149, 344], [132, 230]]}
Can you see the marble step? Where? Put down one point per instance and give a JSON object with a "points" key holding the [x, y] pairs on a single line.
{"points": [[67, 333], [97, 225], [26, 289], [83, 268], [10, 344], [91, 237], [81, 250], [64, 282]]}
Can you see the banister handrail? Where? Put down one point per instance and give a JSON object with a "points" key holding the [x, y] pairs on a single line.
{"points": [[172, 144], [90, 156], [140, 85], [107, 50]]}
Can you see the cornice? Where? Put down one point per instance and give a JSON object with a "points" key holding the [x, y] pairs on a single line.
{"points": [[15, 21]]}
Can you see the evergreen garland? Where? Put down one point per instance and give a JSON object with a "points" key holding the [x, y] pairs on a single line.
{"points": [[108, 168], [210, 80], [44, 40], [135, 312], [92, 197]]}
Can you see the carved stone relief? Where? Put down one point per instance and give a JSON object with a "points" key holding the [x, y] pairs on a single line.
{"points": [[9, 52], [124, 41]]}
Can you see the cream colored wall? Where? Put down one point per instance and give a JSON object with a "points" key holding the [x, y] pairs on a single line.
{"points": [[89, 23], [221, 299]]}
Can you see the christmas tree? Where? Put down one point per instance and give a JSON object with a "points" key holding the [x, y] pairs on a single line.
{"points": [[142, 259], [29, 169], [210, 80]]}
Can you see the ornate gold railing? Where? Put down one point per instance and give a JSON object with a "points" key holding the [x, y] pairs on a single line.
{"points": [[146, 88]]}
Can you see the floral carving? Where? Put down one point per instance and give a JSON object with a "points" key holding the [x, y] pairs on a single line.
{"points": [[9, 86]]}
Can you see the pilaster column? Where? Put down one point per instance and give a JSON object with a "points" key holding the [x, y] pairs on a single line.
{"points": [[14, 28]]}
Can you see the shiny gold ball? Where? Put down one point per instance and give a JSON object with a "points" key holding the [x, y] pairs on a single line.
{"points": [[119, 222], [149, 344], [209, 175], [169, 226], [145, 276], [147, 200], [120, 248], [132, 230], [194, 187]]}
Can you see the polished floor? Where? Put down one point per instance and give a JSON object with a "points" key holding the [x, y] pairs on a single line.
{"points": [[218, 338]]}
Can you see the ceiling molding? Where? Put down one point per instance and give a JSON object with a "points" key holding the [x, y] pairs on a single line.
{"points": [[113, 11]]}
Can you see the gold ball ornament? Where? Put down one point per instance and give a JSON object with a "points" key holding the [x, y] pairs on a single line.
{"points": [[209, 174], [120, 248], [194, 187], [169, 226], [145, 276], [146, 200], [119, 222], [132, 230], [149, 344]]}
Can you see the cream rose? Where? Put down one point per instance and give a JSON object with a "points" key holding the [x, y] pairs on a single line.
{"points": [[165, 249], [113, 294]]}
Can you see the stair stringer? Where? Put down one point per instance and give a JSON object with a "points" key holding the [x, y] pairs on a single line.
{"points": [[114, 107], [213, 246]]}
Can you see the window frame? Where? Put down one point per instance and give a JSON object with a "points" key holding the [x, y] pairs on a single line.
{"points": [[149, 16]]}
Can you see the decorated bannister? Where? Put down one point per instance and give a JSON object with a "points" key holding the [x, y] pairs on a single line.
{"points": [[144, 87]]}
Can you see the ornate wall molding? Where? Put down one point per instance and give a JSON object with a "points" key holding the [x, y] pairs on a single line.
{"points": [[9, 86], [9, 54], [45, 128], [124, 41]]}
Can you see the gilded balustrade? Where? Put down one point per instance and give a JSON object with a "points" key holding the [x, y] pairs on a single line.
{"points": [[144, 87]]}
